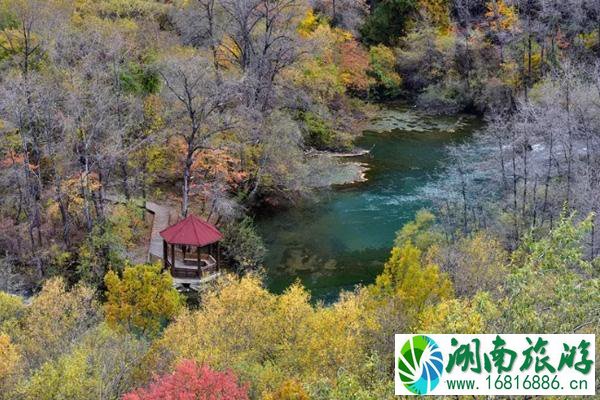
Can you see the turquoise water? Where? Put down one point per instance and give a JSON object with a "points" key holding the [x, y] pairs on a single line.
{"points": [[344, 236]]}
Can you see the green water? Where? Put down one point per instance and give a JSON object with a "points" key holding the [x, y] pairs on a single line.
{"points": [[344, 236]]}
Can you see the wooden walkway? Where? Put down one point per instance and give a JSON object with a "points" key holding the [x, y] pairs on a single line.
{"points": [[160, 222]]}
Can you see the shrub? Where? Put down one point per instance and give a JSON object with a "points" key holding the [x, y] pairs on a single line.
{"points": [[243, 245], [383, 64], [320, 135]]}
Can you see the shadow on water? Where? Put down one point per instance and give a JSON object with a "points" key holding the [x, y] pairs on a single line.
{"points": [[344, 237]]}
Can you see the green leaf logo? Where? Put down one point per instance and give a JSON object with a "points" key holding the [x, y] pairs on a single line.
{"points": [[420, 364]]}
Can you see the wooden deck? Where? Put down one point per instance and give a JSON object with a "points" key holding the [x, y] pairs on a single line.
{"points": [[188, 268]]}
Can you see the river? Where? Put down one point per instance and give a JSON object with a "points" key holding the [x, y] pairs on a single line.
{"points": [[344, 237]]}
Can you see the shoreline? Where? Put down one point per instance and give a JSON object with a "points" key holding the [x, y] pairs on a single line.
{"points": [[348, 172], [330, 153]]}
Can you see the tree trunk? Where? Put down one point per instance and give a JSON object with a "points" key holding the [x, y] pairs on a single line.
{"points": [[187, 170], [125, 178]]}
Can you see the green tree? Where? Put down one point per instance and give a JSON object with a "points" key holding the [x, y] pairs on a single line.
{"points": [[388, 21], [100, 251], [551, 286], [243, 245], [420, 232], [143, 300], [383, 70]]}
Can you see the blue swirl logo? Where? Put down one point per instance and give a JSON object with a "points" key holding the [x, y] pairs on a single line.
{"points": [[420, 364]]}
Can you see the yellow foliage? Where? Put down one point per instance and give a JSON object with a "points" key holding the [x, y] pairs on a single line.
{"points": [[338, 62], [12, 310], [143, 300], [128, 223], [289, 390], [479, 264], [10, 365], [408, 285], [436, 12], [510, 74], [227, 51], [308, 24], [500, 15], [459, 315], [54, 319], [268, 338], [589, 40], [97, 368]]}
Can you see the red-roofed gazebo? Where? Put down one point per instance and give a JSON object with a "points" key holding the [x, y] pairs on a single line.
{"points": [[187, 233]]}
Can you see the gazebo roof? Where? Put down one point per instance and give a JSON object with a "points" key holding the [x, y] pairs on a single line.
{"points": [[191, 231]]}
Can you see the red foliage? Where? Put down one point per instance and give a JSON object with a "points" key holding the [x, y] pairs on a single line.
{"points": [[193, 382]]}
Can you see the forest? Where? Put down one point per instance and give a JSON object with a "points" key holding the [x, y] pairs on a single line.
{"points": [[227, 109]]}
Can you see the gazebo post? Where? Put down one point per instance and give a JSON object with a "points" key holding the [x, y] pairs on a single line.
{"points": [[172, 259], [165, 254], [199, 267]]}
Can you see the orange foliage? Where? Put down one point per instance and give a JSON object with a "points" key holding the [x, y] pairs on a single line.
{"points": [[214, 164], [12, 159], [354, 64]]}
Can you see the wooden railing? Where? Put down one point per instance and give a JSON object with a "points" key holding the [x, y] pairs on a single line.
{"points": [[188, 268]]}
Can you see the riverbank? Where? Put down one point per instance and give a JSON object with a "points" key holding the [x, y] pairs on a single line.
{"points": [[343, 236], [343, 167]]}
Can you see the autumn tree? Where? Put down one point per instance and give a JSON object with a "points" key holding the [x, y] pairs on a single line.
{"points": [[529, 11], [143, 300], [193, 380], [470, 315], [407, 287], [299, 339], [55, 320], [197, 108], [475, 263], [388, 81], [414, 285], [10, 366], [289, 390], [104, 365], [24, 43], [12, 309], [349, 15], [257, 37]]}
